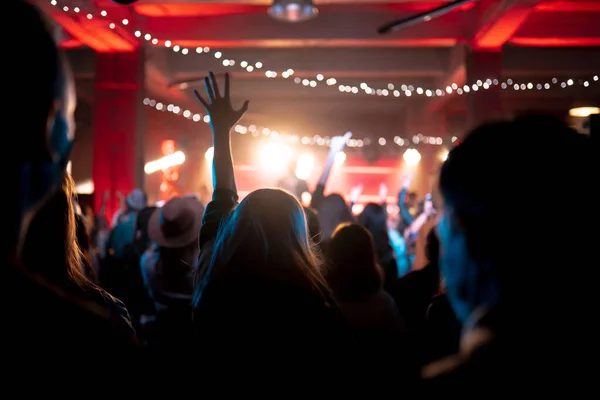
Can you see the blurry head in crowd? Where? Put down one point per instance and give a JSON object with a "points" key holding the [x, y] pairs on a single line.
{"points": [[42, 99], [353, 272], [496, 252], [374, 218], [333, 211]]}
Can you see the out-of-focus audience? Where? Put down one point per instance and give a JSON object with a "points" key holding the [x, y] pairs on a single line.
{"points": [[480, 290]]}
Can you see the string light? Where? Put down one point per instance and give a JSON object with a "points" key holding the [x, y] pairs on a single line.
{"points": [[391, 90], [316, 140]]}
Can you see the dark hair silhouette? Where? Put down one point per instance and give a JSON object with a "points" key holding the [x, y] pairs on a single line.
{"points": [[516, 243], [353, 272], [374, 219], [333, 211], [313, 224], [51, 248]]}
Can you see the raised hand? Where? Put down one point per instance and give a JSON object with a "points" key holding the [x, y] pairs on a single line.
{"points": [[338, 143], [355, 193], [222, 114], [407, 180], [383, 192]]}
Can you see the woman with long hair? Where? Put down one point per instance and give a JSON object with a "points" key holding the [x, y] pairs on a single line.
{"points": [[260, 289], [51, 250]]}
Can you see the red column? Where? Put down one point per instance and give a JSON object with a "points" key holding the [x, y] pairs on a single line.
{"points": [[118, 126], [484, 104]]}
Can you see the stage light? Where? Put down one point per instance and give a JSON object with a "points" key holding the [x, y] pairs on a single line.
{"points": [[412, 157], [340, 158], [274, 157], [84, 187], [443, 155], [583, 112], [305, 199], [305, 165], [165, 162]]}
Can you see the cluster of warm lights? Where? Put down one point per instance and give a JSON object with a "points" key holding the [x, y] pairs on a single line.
{"points": [[256, 131], [391, 90]]}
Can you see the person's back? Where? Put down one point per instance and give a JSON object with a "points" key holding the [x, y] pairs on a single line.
{"points": [[523, 294], [49, 332]]}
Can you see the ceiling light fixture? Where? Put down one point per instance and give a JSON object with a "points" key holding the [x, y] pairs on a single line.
{"points": [[293, 10]]}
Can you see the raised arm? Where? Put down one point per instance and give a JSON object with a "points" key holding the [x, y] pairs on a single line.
{"points": [[337, 144], [222, 118], [404, 213]]}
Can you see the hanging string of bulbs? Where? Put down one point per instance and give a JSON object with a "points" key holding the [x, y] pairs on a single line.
{"points": [[391, 90], [315, 140]]}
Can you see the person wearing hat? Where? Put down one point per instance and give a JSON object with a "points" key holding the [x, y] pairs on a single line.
{"points": [[169, 267]]}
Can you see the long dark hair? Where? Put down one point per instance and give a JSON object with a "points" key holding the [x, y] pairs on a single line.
{"points": [[51, 248], [267, 233]]}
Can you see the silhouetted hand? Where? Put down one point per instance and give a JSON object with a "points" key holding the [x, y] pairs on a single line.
{"points": [[355, 193], [219, 108]]}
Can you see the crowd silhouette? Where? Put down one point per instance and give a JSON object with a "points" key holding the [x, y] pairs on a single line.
{"points": [[269, 289]]}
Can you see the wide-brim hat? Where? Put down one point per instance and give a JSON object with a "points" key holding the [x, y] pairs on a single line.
{"points": [[177, 223]]}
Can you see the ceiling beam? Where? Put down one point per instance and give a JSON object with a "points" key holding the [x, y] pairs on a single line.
{"points": [[457, 75], [94, 33], [502, 20], [343, 28]]}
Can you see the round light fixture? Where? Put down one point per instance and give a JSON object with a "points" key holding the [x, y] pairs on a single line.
{"points": [[293, 10]]}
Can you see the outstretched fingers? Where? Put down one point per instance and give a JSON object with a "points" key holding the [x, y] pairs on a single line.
{"points": [[214, 85], [209, 90], [226, 85], [243, 109], [201, 100]]}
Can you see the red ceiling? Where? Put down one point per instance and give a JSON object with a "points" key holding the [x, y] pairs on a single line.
{"points": [[550, 23]]}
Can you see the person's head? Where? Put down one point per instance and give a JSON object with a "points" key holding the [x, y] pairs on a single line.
{"points": [[498, 251], [51, 246], [333, 211], [374, 219], [177, 223], [353, 272], [136, 200], [42, 100], [267, 237]]}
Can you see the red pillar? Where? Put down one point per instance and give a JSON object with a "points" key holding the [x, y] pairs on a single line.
{"points": [[118, 126], [484, 104]]}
